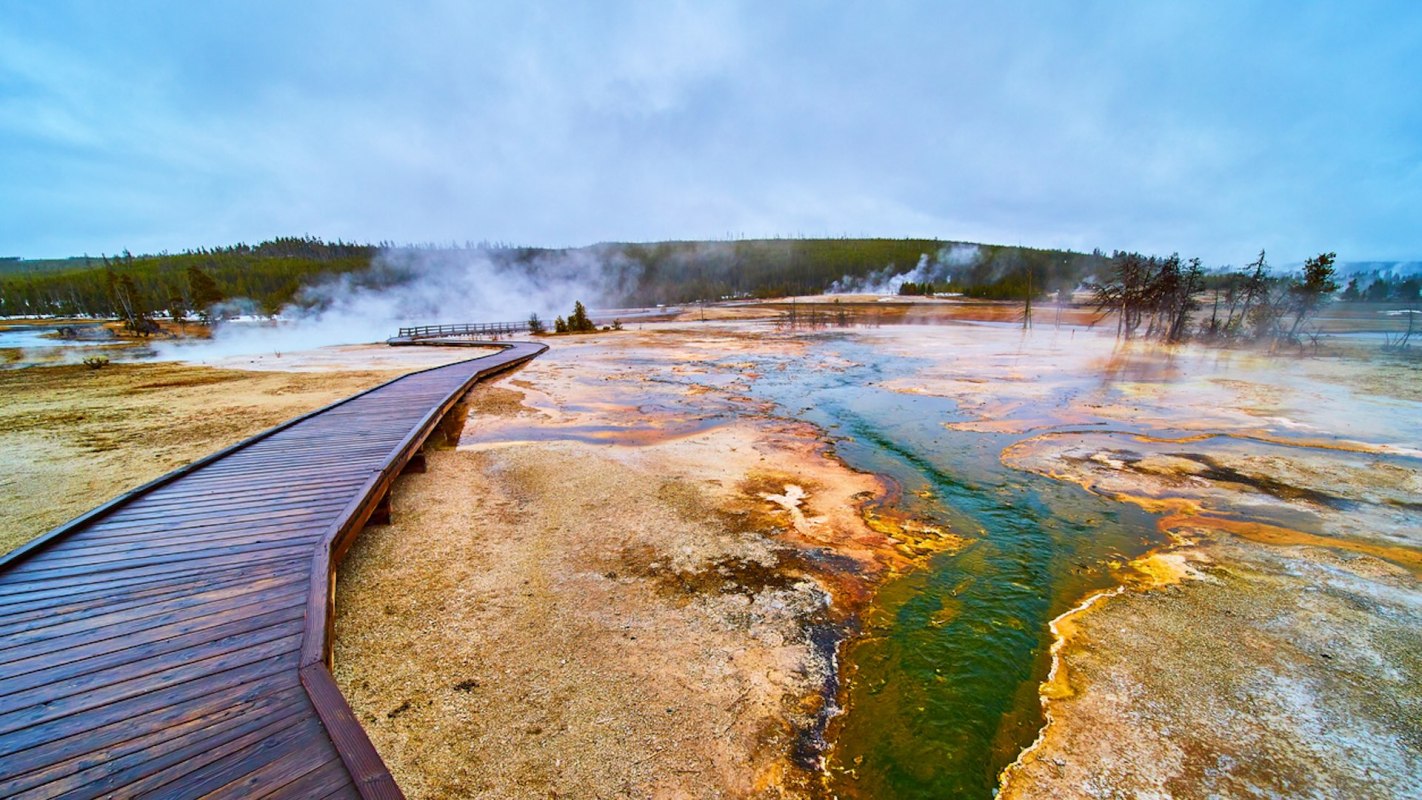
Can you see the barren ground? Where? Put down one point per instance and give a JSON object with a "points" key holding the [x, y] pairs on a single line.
{"points": [[619, 585]]}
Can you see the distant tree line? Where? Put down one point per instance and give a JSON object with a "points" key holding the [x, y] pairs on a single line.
{"points": [[925, 289], [1380, 288], [271, 274], [685, 272], [1151, 296], [187, 284]]}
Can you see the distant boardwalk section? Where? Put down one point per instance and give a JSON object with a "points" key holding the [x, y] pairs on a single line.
{"points": [[424, 334], [174, 642]]}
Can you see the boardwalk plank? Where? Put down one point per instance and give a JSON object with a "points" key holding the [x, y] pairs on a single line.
{"points": [[103, 598], [257, 489], [174, 571], [22, 617], [99, 718], [343, 793], [105, 548], [255, 516], [320, 782], [213, 741], [318, 520], [205, 672], [235, 765], [167, 520], [248, 492], [157, 564], [89, 656], [118, 623], [94, 684], [138, 555], [158, 731], [44, 592], [277, 773]]}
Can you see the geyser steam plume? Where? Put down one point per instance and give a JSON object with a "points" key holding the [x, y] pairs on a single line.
{"points": [[415, 286], [937, 268]]}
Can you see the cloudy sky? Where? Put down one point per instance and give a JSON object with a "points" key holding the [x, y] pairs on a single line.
{"points": [[1212, 129]]}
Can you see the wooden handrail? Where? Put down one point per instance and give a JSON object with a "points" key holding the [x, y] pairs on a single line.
{"points": [[464, 329]]}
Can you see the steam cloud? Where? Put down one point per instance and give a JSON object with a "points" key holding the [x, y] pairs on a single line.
{"points": [[410, 286], [938, 269]]}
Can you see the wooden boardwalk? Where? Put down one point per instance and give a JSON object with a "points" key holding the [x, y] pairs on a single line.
{"points": [[481, 330], [175, 641]]}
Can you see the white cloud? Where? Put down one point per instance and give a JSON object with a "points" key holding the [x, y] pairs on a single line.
{"points": [[1211, 130]]}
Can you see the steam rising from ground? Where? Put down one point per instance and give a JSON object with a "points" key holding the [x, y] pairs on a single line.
{"points": [[413, 286], [937, 269]]}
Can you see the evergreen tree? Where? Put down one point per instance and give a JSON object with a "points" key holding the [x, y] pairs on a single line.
{"points": [[203, 291], [1313, 292], [1351, 293], [579, 322]]}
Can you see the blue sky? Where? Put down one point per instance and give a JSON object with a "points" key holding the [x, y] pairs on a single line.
{"points": [[1212, 129]]}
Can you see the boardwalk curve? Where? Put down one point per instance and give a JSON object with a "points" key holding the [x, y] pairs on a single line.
{"points": [[175, 641]]}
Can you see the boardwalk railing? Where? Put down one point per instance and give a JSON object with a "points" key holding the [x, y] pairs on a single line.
{"points": [[470, 329]]}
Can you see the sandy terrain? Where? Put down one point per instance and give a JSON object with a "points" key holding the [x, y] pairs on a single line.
{"points": [[73, 437], [620, 584]]}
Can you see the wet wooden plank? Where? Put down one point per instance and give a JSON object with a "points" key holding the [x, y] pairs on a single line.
{"points": [[236, 765], [279, 484], [305, 757], [98, 683], [291, 523], [141, 552], [175, 571], [113, 716], [268, 551], [367, 771], [314, 453], [320, 782], [127, 602], [149, 736], [89, 656], [167, 765], [160, 524], [177, 541], [137, 555], [47, 636], [253, 491], [104, 599], [343, 793], [41, 592], [206, 673], [199, 513]]}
